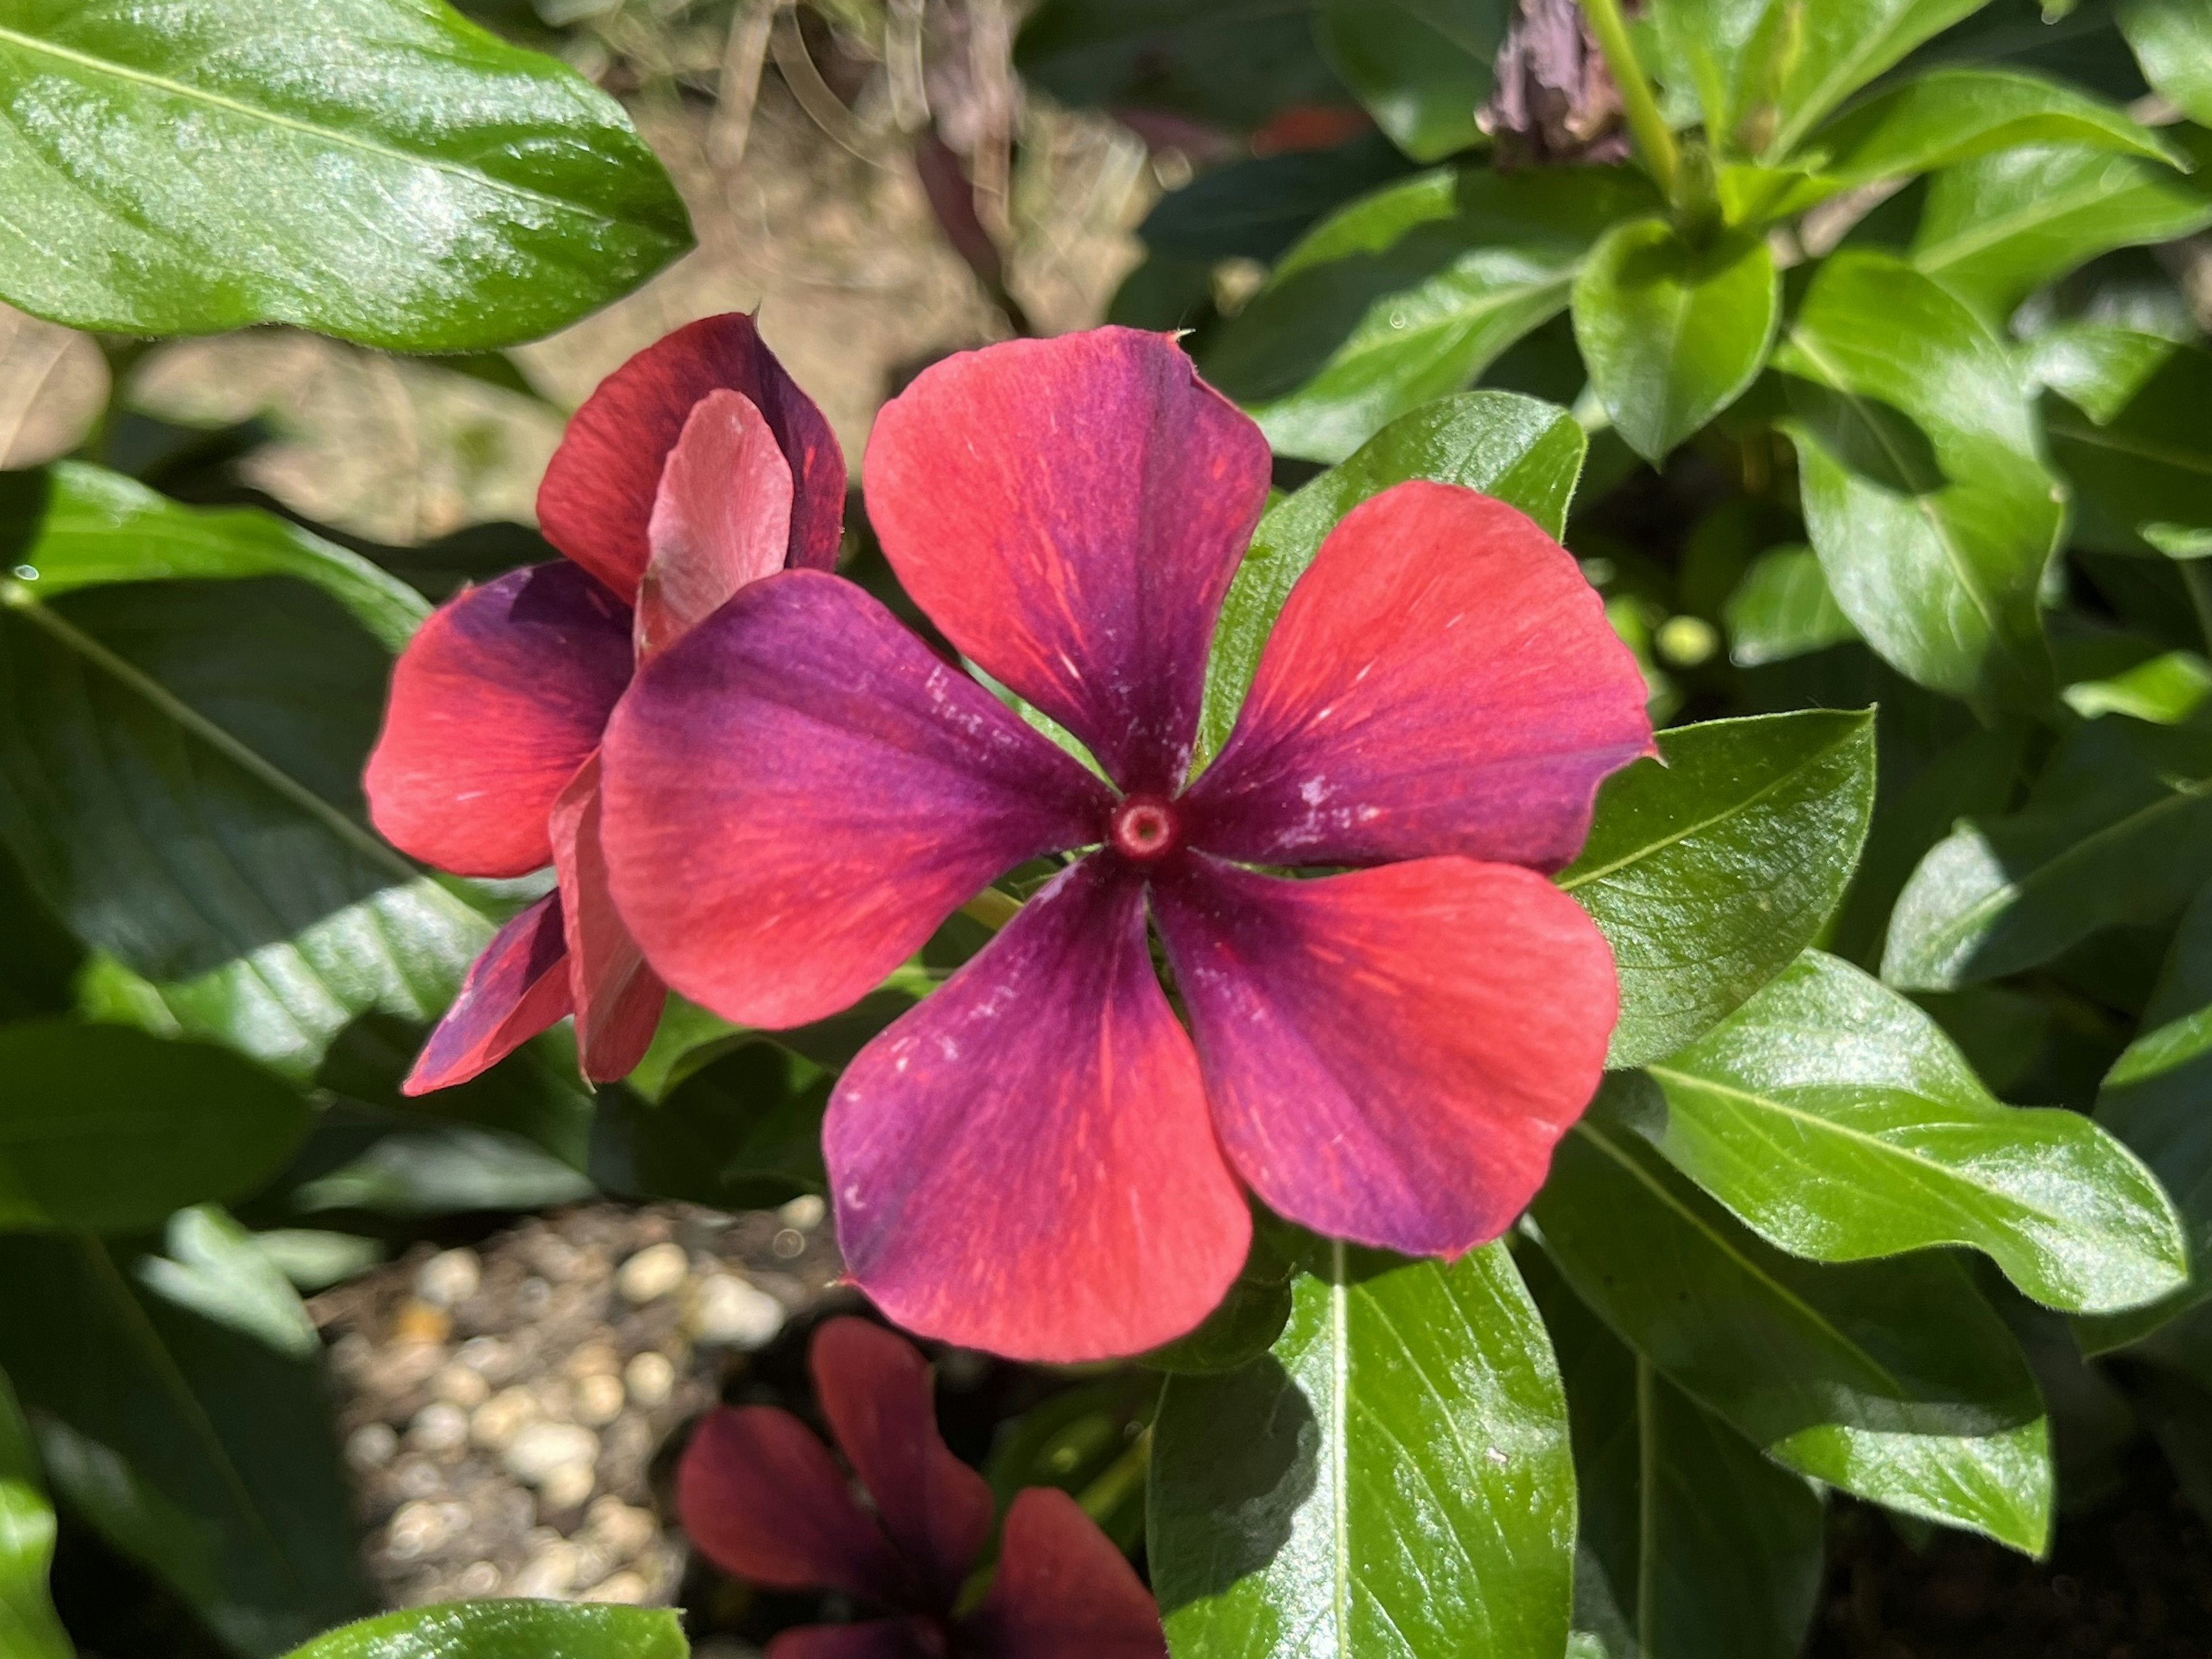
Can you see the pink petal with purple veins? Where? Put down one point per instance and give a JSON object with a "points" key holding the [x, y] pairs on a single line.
{"points": [[799, 791], [1063, 1591], [514, 990], [617, 998], [876, 1389], [1069, 512], [722, 518], [1024, 1163], [495, 703], [597, 500], [1392, 1054], [1442, 680], [762, 1499]]}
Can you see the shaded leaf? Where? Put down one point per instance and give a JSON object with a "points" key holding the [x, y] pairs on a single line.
{"points": [[214, 1269], [508, 1630], [377, 170], [1891, 1379], [28, 1628], [1231, 62], [1421, 67], [1834, 1118], [1783, 609], [1393, 1479], [2166, 689], [2144, 470], [2173, 42], [103, 1129], [743, 1132], [1521, 451], [1837, 46], [1710, 872]]}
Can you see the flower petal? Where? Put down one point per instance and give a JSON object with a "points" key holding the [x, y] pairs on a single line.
{"points": [[764, 1500], [722, 518], [1391, 1054], [495, 703], [1063, 1590], [878, 1639], [617, 998], [877, 1391], [1069, 512], [514, 990], [1024, 1163], [1442, 680], [800, 791], [598, 496]]}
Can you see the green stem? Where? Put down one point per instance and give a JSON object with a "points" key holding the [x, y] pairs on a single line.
{"points": [[1647, 127], [993, 907], [1104, 1495]]}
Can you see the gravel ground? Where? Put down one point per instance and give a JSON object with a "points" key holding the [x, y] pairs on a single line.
{"points": [[501, 1407]]}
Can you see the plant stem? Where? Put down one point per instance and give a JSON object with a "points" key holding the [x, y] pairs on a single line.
{"points": [[1104, 1495], [1647, 127], [993, 907]]}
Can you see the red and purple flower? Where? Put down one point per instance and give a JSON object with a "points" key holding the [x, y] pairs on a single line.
{"points": [[763, 1498], [1039, 1159], [696, 468]]}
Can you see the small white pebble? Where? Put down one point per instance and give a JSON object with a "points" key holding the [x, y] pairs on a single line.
{"points": [[548, 1573], [417, 1531], [653, 1273], [499, 1419], [788, 1242], [538, 1448], [625, 1529], [805, 1213], [485, 1355], [439, 1426], [599, 1400], [463, 1385], [476, 1579], [449, 1278], [648, 1379], [556, 1400], [724, 1309], [371, 1446], [566, 1488], [593, 1359], [629, 1589]]}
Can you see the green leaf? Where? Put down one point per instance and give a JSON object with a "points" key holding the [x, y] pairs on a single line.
{"points": [[2167, 689], [103, 1129], [1834, 1119], [1408, 295], [1230, 62], [1421, 67], [1710, 872], [28, 1628], [1255, 209], [1783, 609], [1891, 1379], [1692, 1545], [2118, 831], [192, 1448], [508, 1630], [2173, 42], [1925, 489], [742, 1133], [377, 170], [214, 1269], [1521, 451], [1672, 334], [1946, 115], [1393, 1479], [180, 776], [2099, 367], [2153, 1098], [2144, 470], [1996, 228], [1836, 46], [1247, 1324]]}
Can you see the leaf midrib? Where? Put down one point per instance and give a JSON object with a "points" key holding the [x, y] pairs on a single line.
{"points": [[105, 66], [2104, 437]]}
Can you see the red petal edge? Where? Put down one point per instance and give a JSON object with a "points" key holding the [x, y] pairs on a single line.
{"points": [[514, 990], [617, 999], [722, 518], [1063, 1590]]}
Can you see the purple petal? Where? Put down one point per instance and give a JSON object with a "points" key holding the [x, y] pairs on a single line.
{"points": [[514, 990], [1063, 1590]]}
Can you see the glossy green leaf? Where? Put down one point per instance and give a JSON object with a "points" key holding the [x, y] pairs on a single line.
{"points": [[1996, 228], [2144, 470], [213, 1269], [2156, 1098], [1783, 609], [28, 1628], [1836, 46], [1255, 209], [2167, 689], [1711, 872], [2099, 367], [103, 1129], [2173, 42], [1230, 62], [1421, 67], [1732, 55], [378, 169], [1520, 450], [1672, 334], [2118, 832], [1946, 115], [1891, 1379], [190, 1447], [1393, 1480], [1692, 1545], [180, 776], [1834, 1118], [508, 1630], [1924, 490], [1407, 295]]}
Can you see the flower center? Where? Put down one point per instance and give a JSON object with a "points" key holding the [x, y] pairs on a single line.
{"points": [[1144, 827]]}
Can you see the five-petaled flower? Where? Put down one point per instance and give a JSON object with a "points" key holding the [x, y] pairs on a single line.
{"points": [[695, 468], [764, 1499], [1038, 1160]]}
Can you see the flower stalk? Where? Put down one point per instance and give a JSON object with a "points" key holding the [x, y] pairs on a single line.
{"points": [[1647, 128]]}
